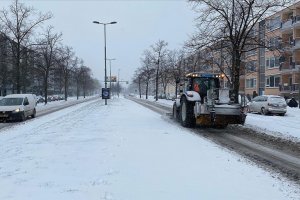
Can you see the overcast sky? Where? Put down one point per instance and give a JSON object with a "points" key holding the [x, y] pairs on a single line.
{"points": [[140, 23]]}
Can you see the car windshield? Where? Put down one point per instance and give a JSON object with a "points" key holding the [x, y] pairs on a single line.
{"points": [[11, 101], [277, 100]]}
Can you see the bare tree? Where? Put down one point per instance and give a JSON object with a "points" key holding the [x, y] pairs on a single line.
{"points": [[158, 53], [18, 23], [138, 79], [85, 77], [77, 74], [231, 21], [175, 59], [147, 70], [67, 63], [5, 72], [46, 55], [165, 75]]}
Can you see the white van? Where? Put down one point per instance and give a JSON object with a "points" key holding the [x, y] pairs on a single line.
{"points": [[17, 107]]}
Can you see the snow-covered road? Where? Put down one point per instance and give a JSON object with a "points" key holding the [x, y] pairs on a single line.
{"points": [[124, 151]]}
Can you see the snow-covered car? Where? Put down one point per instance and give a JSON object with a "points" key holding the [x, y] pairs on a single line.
{"points": [[268, 104]]}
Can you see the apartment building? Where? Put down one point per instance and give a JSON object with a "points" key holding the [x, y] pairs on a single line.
{"points": [[276, 69]]}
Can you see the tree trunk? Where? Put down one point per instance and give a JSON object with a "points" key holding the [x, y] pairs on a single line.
{"points": [[236, 64], [18, 85], [66, 87], [140, 88], [77, 89], [66, 91], [46, 87], [165, 89], [156, 84], [147, 88]]}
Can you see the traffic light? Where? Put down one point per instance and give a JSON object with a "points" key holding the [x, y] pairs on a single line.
{"points": [[113, 79]]}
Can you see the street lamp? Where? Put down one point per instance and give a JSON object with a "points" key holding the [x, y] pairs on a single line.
{"points": [[104, 24], [110, 59]]}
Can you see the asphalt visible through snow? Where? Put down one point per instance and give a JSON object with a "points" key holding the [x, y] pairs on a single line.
{"points": [[275, 154]]}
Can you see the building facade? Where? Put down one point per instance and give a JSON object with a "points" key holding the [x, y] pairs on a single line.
{"points": [[275, 69]]}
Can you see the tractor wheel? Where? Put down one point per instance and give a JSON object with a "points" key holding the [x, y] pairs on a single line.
{"points": [[187, 113]]}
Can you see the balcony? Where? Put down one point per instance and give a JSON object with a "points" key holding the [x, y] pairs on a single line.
{"points": [[287, 26], [294, 88], [288, 67], [296, 44], [296, 21], [287, 45]]}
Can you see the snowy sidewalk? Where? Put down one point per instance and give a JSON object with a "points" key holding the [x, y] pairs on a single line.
{"points": [[124, 151]]}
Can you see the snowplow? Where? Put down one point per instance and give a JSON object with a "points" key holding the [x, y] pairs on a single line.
{"points": [[204, 103]]}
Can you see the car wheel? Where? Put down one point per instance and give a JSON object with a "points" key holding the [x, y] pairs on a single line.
{"points": [[23, 117], [281, 114], [187, 113], [264, 111], [248, 109], [33, 114]]}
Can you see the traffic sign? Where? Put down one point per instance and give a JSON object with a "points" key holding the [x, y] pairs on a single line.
{"points": [[105, 93]]}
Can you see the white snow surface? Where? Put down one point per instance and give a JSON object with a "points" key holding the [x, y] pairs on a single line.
{"points": [[124, 151], [287, 127]]}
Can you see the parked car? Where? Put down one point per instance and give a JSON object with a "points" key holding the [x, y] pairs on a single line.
{"points": [[49, 98], [40, 99], [266, 104], [61, 97], [292, 102], [17, 107], [170, 97]]}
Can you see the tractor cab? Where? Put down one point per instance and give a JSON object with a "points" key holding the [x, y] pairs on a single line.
{"points": [[202, 83]]}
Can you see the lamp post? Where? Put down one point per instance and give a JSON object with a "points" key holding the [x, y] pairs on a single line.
{"points": [[104, 24], [110, 59]]}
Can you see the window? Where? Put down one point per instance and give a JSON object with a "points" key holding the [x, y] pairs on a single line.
{"points": [[272, 81], [251, 83], [272, 62], [274, 23], [251, 66], [273, 42], [267, 62], [291, 40], [291, 61], [26, 101]]}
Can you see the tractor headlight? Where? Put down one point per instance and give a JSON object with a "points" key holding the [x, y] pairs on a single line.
{"points": [[16, 111]]}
